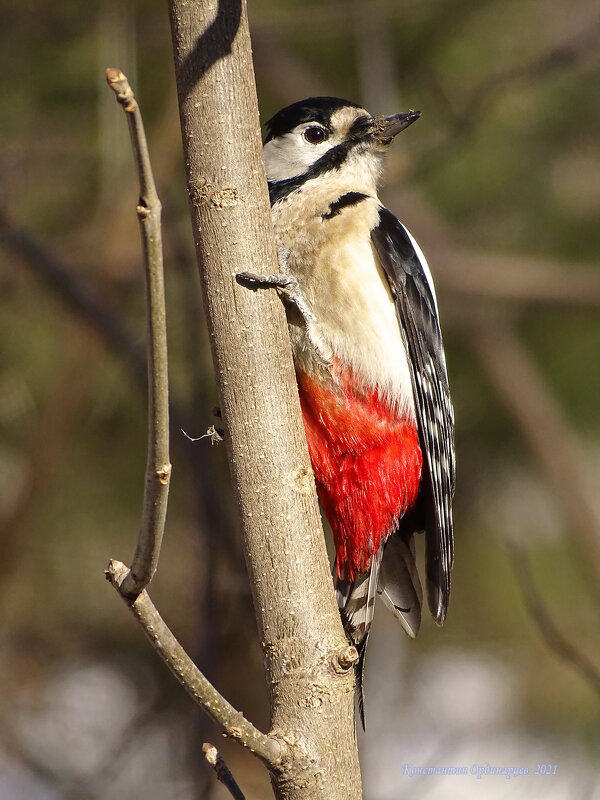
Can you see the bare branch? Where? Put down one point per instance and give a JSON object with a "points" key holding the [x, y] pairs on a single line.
{"points": [[215, 759], [374, 55], [158, 467], [545, 623], [232, 722], [468, 275], [471, 275]]}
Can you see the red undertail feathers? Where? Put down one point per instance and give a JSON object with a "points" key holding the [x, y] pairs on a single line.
{"points": [[367, 464]]}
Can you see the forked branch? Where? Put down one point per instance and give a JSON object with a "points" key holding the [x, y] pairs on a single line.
{"points": [[232, 721], [131, 582]]}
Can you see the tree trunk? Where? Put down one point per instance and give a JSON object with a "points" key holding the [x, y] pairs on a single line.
{"points": [[307, 660]]}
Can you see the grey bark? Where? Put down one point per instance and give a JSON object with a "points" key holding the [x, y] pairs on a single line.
{"points": [[308, 668]]}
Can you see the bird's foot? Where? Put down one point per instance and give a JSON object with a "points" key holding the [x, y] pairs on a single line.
{"points": [[287, 287]]}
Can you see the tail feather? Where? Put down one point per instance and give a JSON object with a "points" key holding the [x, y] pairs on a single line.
{"points": [[356, 601], [399, 584], [360, 675], [393, 575]]}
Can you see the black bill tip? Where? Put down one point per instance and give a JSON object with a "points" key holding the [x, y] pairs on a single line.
{"points": [[385, 128]]}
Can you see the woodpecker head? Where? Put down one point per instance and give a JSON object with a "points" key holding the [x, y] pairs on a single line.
{"points": [[325, 137]]}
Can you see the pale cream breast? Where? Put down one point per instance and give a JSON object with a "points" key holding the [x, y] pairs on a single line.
{"points": [[346, 289]]}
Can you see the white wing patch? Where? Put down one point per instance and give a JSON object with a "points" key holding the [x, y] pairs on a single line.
{"points": [[424, 264]]}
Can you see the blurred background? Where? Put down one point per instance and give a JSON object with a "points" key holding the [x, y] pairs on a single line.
{"points": [[500, 183]]}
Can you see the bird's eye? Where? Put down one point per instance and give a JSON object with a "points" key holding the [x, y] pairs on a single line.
{"points": [[315, 134]]}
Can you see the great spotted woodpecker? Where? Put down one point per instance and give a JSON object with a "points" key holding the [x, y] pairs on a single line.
{"points": [[369, 359]]}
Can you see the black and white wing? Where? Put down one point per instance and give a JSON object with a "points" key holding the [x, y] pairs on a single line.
{"points": [[412, 289]]}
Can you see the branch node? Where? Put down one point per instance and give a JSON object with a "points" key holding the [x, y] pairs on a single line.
{"points": [[116, 572], [122, 578], [164, 474], [345, 659]]}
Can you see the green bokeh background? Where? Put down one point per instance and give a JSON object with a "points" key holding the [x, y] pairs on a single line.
{"points": [[505, 165]]}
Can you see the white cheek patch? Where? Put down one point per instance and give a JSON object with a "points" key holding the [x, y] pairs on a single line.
{"points": [[291, 155]]}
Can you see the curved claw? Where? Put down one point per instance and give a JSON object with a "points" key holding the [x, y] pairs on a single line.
{"points": [[287, 287]]}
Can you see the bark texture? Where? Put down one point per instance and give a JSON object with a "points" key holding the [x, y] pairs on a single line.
{"points": [[308, 668]]}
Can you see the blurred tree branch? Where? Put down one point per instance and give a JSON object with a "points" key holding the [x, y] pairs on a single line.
{"points": [[546, 624], [469, 275], [520, 386], [79, 297], [463, 124], [44, 449]]}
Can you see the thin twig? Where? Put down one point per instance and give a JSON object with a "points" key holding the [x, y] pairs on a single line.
{"points": [[215, 759], [232, 722], [214, 434], [158, 467], [545, 623]]}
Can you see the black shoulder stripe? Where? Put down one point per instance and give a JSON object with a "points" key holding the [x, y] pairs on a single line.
{"points": [[346, 200]]}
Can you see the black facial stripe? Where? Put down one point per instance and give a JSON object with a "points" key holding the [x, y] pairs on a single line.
{"points": [[346, 200], [329, 161], [279, 190], [332, 159]]}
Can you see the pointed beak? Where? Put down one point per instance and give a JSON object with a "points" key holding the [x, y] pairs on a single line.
{"points": [[385, 128]]}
